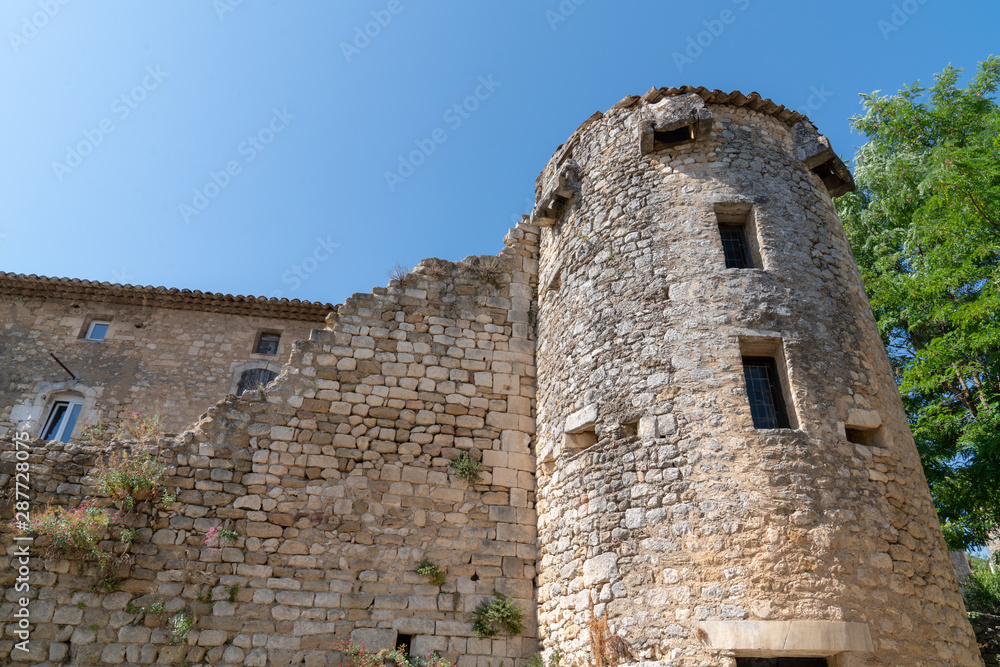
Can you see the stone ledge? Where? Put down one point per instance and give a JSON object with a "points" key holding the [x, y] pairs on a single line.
{"points": [[800, 638]]}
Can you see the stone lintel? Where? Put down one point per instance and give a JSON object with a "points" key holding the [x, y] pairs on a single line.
{"points": [[787, 638], [863, 419]]}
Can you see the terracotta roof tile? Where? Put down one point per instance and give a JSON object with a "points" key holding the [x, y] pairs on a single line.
{"points": [[32, 286]]}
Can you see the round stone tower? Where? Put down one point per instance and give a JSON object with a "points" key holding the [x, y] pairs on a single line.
{"points": [[725, 471]]}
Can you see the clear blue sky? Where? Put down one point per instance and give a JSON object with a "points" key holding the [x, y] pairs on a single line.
{"points": [[115, 112]]}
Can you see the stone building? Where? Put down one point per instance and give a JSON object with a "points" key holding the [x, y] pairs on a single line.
{"points": [[113, 348], [692, 449]]}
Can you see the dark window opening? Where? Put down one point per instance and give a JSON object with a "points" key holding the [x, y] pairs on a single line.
{"points": [[735, 246], [669, 137], [781, 662], [580, 440], [62, 420], [268, 343], [255, 378], [767, 406], [824, 170], [403, 643], [863, 436]]}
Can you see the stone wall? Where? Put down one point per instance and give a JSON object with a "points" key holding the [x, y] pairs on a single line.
{"points": [[662, 510], [177, 362], [987, 629], [337, 478]]}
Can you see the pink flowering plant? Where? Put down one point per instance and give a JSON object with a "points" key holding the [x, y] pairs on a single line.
{"points": [[131, 475], [357, 655], [142, 428], [77, 530], [221, 537]]}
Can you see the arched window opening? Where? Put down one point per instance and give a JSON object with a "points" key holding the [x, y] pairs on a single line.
{"points": [[254, 378]]}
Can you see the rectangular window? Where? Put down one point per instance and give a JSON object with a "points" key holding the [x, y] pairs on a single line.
{"points": [[767, 405], [738, 231], [62, 420], [267, 344], [735, 246], [668, 138], [97, 330]]}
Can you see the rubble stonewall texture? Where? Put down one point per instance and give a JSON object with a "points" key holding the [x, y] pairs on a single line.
{"points": [[595, 369]]}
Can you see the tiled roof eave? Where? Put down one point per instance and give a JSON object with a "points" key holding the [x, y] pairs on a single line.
{"points": [[43, 287]]}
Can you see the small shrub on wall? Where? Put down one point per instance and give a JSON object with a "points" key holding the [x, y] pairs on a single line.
{"points": [[497, 615]]}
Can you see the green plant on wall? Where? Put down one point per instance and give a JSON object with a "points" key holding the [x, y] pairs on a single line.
{"points": [[434, 574], [180, 627], [466, 467], [497, 614], [131, 475]]}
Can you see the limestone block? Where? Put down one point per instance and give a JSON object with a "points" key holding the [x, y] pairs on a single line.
{"points": [[582, 419], [282, 433], [374, 639], [867, 419], [212, 637], [600, 569]]}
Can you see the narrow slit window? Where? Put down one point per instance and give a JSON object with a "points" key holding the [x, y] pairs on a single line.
{"points": [[267, 343], [735, 246], [767, 405], [667, 138], [255, 378], [738, 233]]}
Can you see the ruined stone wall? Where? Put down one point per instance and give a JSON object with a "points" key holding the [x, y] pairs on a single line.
{"points": [[337, 478], [662, 510], [177, 362]]}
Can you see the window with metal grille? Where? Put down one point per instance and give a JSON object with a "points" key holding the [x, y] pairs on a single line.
{"points": [[267, 343], [735, 246], [62, 419], [255, 378], [767, 406]]}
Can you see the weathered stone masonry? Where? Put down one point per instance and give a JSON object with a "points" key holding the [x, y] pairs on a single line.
{"points": [[337, 476], [172, 351], [659, 508], [698, 536]]}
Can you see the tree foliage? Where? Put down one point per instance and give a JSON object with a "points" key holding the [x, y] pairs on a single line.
{"points": [[924, 226]]}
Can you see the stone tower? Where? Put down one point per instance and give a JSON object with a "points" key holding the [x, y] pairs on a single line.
{"points": [[725, 471]]}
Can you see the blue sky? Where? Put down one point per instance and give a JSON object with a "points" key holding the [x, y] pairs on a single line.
{"points": [[243, 146]]}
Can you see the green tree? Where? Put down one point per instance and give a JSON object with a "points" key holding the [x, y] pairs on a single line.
{"points": [[924, 226]]}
